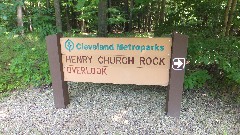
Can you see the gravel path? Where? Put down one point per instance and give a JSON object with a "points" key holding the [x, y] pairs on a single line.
{"points": [[115, 109]]}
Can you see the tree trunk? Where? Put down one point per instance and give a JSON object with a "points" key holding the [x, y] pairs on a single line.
{"points": [[47, 4], [126, 28], [58, 15], [149, 17], [139, 23], [157, 13], [102, 18], [131, 15], [73, 16], [162, 11], [30, 25], [67, 18], [109, 27], [226, 15], [86, 26], [83, 28], [39, 4], [20, 16], [145, 24], [29, 13], [229, 23]]}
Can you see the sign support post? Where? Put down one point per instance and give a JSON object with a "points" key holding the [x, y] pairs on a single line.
{"points": [[60, 87], [175, 88]]}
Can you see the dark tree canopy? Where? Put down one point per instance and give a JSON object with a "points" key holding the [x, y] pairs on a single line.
{"points": [[158, 16]]}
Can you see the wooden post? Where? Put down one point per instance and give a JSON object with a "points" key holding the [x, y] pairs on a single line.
{"points": [[175, 89], [60, 87]]}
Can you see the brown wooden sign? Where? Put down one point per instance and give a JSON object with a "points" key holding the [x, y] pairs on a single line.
{"points": [[140, 61]]}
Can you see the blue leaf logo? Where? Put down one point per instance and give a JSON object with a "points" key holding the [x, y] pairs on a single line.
{"points": [[69, 45]]}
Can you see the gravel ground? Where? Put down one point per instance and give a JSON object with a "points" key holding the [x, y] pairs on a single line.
{"points": [[115, 109]]}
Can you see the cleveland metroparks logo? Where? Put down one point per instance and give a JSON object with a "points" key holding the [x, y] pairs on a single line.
{"points": [[69, 45]]}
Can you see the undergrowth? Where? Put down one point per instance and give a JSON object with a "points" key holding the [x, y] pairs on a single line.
{"points": [[214, 63], [23, 63]]}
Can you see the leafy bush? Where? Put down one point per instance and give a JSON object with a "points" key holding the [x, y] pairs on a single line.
{"points": [[196, 79], [116, 17], [214, 61], [23, 63], [42, 22]]}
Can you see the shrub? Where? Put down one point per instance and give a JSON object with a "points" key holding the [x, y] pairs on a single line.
{"points": [[196, 79], [23, 63], [215, 58]]}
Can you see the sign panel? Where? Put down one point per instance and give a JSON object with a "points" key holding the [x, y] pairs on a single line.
{"points": [[141, 61]]}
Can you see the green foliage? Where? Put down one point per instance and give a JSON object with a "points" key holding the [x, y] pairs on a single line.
{"points": [[3, 30], [42, 22], [127, 34], [80, 4], [88, 9], [41, 19], [196, 79], [205, 17], [218, 54], [7, 15], [116, 16], [27, 65], [216, 58], [6, 79]]}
